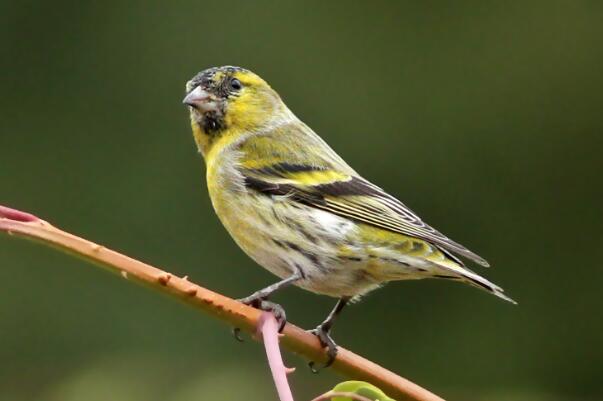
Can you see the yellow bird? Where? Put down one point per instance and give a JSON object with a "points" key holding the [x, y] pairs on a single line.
{"points": [[299, 210]]}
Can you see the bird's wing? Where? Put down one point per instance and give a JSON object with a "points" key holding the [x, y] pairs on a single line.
{"points": [[323, 185], [293, 161]]}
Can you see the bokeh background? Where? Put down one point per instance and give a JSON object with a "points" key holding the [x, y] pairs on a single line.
{"points": [[485, 117]]}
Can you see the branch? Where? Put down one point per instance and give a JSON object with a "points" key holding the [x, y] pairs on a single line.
{"points": [[22, 224], [268, 329]]}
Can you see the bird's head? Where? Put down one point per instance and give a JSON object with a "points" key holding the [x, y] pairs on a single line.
{"points": [[226, 102]]}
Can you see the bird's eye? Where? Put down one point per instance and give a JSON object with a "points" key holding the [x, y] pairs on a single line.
{"points": [[236, 84]]}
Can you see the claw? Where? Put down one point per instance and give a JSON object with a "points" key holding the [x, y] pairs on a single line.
{"points": [[252, 300], [326, 341], [277, 310], [313, 369], [236, 332], [267, 306]]}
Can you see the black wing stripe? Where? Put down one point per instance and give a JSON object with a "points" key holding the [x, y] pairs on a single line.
{"points": [[325, 197], [281, 169]]}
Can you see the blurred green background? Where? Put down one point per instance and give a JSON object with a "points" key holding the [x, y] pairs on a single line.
{"points": [[485, 117]]}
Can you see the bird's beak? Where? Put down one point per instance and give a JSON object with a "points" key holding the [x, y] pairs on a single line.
{"points": [[200, 100]]}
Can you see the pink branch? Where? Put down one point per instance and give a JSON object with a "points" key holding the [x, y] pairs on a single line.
{"points": [[13, 214], [268, 329]]}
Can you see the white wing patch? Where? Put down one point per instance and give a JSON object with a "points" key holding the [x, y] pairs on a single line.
{"points": [[332, 224]]}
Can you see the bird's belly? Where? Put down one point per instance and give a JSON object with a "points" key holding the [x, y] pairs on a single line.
{"points": [[285, 237]]}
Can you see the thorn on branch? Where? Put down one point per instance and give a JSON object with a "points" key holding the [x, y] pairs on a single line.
{"points": [[164, 278], [97, 247]]}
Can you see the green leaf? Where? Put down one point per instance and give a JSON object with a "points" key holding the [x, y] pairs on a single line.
{"points": [[364, 389]]}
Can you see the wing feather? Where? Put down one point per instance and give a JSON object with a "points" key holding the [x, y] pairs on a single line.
{"points": [[293, 161], [350, 196]]}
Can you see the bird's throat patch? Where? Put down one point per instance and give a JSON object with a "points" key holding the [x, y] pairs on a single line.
{"points": [[212, 123]]}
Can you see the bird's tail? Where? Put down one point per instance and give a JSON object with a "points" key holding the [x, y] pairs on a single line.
{"points": [[478, 281]]}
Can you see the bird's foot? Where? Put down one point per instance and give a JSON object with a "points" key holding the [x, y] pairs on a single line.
{"points": [[323, 334], [277, 310], [266, 306]]}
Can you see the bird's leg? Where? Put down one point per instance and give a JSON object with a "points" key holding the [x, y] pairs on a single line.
{"points": [[323, 331], [264, 293], [259, 300]]}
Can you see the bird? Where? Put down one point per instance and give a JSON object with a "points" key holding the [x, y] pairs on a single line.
{"points": [[295, 207]]}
